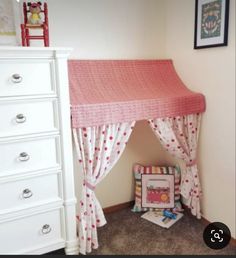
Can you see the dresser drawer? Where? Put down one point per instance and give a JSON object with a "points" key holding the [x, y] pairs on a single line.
{"points": [[26, 77], [31, 232], [27, 155], [25, 117], [19, 194]]}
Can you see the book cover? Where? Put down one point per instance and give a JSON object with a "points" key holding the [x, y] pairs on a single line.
{"points": [[158, 219]]}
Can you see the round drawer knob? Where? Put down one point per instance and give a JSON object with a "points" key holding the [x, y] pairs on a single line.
{"points": [[27, 193], [46, 229], [16, 78], [24, 156], [20, 118]]}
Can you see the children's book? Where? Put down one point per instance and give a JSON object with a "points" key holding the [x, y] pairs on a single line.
{"points": [[158, 219]]}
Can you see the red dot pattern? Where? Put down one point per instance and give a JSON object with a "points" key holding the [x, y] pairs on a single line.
{"points": [[99, 148], [178, 135]]}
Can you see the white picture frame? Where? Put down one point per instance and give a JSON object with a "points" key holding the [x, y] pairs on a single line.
{"points": [[10, 20]]}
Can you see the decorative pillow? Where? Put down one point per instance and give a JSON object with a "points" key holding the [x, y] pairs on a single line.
{"points": [[170, 170]]}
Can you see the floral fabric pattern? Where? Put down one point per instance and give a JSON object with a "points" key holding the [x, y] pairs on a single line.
{"points": [[179, 136]]}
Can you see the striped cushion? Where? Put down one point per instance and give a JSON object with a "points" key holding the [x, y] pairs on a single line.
{"points": [[139, 170]]}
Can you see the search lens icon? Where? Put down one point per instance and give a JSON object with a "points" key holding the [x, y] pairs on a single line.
{"points": [[217, 235]]}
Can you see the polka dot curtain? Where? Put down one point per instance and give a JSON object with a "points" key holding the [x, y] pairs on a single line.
{"points": [[179, 136], [98, 150]]}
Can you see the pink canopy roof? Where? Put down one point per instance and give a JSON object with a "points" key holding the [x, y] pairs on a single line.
{"points": [[111, 91]]}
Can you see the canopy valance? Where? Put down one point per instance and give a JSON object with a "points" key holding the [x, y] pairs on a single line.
{"points": [[112, 91]]}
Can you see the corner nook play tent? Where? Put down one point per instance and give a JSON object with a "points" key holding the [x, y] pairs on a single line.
{"points": [[107, 97]]}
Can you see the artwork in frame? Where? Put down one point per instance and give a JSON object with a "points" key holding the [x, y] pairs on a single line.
{"points": [[211, 23], [157, 191], [9, 23]]}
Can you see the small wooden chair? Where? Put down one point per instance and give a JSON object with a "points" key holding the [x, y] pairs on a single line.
{"points": [[26, 26]]}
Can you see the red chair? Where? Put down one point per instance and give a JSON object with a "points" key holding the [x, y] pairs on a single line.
{"points": [[27, 26]]}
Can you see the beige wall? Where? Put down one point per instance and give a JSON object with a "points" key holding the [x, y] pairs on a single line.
{"points": [[108, 28], [212, 72]]}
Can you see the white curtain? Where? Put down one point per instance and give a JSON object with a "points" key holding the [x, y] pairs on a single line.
{"points": [[98, 149], [179, 136]]}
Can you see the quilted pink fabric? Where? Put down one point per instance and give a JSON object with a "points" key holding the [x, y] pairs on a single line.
{"points": [[112, 91]]}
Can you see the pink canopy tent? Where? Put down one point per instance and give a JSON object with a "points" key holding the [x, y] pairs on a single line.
{"points": [[107, 97], [104, 92]]}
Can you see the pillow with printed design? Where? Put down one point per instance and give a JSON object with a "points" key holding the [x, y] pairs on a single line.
{"points": [[140, 170]]}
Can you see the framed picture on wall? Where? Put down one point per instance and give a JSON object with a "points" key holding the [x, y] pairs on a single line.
{"points": [[157, 191], [9, 22], [211, 23]]}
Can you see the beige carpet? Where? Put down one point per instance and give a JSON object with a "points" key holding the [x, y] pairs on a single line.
{"points": [[128, 234]]}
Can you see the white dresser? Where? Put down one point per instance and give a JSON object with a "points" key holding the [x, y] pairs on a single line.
{"points": [[37, 199]]}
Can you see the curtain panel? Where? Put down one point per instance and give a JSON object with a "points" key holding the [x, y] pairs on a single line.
{"points": [[179, 136], [98, 149]]}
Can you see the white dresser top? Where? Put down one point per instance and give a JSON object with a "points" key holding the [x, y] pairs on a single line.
{"points": [[34, 52]]}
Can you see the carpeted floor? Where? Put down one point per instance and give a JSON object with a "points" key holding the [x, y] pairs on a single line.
{"points": [[127, 233]]}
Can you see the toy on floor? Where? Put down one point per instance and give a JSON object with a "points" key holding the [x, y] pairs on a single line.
{"points": [[169, 214]]}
